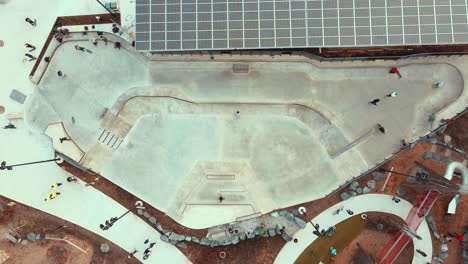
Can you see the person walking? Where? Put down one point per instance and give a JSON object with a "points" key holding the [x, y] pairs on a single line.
{"points": [[374, 102], [29, 46], [152, 244], [220, 198], [31, 22], [71, 179], [396, 200], [392, 94], [381, 128], [77, 47], [94, 41], [439, 84], [117, 45], [55, 185], [421, 252], [61, 74], [31, 57], [52, 196], [132, 253], [349, 212], [395, 70]]}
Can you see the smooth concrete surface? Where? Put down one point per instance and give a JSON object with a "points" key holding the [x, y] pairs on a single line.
{"points": [[293, 116]]}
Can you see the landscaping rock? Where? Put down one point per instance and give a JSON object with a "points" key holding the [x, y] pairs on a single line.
{"points": [[359, 190], [159, 227], [167, 233], [140, 211], [188, 238], [427, 155], [204, 241], [443, 255], [271, 232], [354, 185], [401, 191], [176, 237], [164, 238], [181, 245], [296, 213], [225, 243], [301, 223], [195, 240], [283, 213], [290, 217], [352, 193], [371, 184], [152, 220], [24, 242], [278, 229], [366, 189], [251, 235], [437, 156], [345, 196], [380, 227], [31, 236], [145, 214], [242, 236], [235, 240], [41, 236], [172, 241], [378, 175], [447, 139], [286, 237], [214, 243], [104, 248], [443, 247], [275, 214]]}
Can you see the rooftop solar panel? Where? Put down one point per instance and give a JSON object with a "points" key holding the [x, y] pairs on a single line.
{"points": [[184, 25]]}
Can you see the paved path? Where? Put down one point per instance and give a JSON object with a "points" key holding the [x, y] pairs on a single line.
{"points": [[358, 204], [83, 206]]}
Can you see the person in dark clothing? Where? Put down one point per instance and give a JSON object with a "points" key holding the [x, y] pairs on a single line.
{"points": [[9, 126], [374, 102], [31, 57], [31, 22], [29, 46]]}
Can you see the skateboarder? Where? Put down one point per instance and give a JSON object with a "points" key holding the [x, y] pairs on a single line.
{"points": [[31, 22], [374, 102], [392, 94], [31, 57], [439, 84], [64, 139], [395, 71], [55, 185], [29, 46], [77, 47], [381, 128]]}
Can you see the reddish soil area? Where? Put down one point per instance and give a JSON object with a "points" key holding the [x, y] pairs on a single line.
{"points": [[25, 219]]}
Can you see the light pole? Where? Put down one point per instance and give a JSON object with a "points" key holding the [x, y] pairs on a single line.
{"points": [[303, 210], [109, 223], [4, 166]]}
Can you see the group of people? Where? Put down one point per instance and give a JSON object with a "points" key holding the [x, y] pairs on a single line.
{"points": [[147, 251], [54, 194]]}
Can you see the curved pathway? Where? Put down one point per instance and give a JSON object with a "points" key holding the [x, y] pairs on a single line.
{"points": [[358, 204]]}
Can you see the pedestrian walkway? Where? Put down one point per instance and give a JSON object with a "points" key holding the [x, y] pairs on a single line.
{"points": [[358, 204], [86, 207]]}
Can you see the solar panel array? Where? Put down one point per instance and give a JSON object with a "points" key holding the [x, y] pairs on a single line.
{"points": [[179, 25]]}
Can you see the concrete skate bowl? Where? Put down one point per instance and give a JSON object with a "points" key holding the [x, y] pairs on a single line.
{"points": [[195, 151]]}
